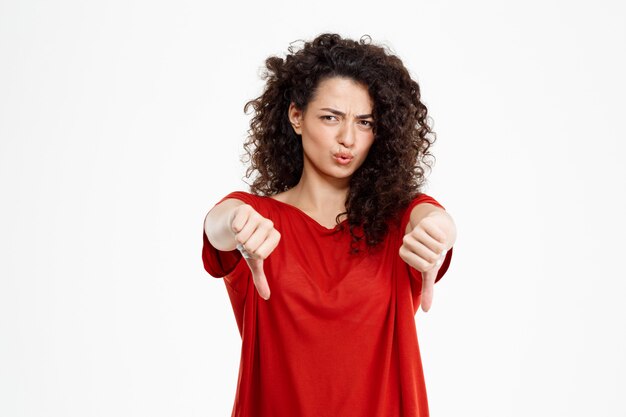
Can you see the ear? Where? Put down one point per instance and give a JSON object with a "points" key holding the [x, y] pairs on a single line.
{"points": [[295, 118]]}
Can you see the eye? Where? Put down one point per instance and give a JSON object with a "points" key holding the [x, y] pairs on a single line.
{"points": [[367, 123], [328, 117]]}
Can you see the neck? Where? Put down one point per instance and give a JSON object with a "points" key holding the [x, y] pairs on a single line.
{"points": [[321, 195]]}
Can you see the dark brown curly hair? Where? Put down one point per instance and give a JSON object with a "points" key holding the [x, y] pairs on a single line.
{"points": [[393, 171]]}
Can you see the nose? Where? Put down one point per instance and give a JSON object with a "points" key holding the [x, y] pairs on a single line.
{"points": [[347, 135]]}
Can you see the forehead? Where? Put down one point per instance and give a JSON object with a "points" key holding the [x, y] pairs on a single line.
{"points": [[342, 92]]}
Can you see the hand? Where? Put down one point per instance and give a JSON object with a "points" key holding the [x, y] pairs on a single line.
{"points": [[257, 239], [424, 248]]}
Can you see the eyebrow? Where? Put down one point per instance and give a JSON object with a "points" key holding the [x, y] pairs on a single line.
{"points": [[339, 113]]}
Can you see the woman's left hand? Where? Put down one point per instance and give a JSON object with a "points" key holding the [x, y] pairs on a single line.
{"points": [[424, 248]]}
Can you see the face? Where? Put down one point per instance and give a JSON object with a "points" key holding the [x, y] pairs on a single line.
{"points": [[336, 128]]}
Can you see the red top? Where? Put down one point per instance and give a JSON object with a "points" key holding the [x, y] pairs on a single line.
{"points": [[337, 336]]}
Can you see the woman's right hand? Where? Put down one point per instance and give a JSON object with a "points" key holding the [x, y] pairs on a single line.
{"points": [[257, 239]]}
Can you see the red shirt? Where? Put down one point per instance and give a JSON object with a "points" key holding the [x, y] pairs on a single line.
{"points": [[337, 336]]}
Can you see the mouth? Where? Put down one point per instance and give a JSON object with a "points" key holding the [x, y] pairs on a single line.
{"points": [[343, 158]]}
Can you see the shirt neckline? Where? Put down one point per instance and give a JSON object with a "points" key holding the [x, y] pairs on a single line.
{"points": [[310, 219]]}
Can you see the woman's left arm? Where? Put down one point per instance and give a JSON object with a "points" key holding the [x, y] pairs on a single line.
{"points": [[429, 234]]}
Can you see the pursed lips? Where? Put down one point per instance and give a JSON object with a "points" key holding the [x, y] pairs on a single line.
{"points": [[343, 155]]}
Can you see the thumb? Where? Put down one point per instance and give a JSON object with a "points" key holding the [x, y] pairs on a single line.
{"points": [[428, 284], [258, 276]]}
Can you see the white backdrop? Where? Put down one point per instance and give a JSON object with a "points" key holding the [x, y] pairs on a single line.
{"points": [[122, 124]]}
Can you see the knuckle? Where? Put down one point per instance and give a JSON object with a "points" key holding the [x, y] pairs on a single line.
{"points": [[427, 220]]}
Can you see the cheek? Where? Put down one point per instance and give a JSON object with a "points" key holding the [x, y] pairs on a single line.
{"points": [[320, 136], [368, 140], [313, 143], [321, 133]]}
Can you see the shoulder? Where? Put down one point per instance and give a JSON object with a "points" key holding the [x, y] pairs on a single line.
{"points": [[262, 204], [422, 198], [242, 196]]}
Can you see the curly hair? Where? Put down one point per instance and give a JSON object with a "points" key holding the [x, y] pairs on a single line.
{"points": [[393, 171]]}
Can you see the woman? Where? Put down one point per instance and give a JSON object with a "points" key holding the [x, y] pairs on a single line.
{"points": [[336, 230]]}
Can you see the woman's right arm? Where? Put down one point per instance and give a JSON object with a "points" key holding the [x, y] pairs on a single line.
{"points": [[256, 233], [217, 225]]}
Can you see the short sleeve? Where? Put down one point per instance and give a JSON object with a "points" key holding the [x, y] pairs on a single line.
{"points": [[221, 263], [406, 217]]}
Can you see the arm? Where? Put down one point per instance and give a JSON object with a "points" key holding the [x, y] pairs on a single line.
{"points": [[430, 229], [226, 225], [217, 225]]}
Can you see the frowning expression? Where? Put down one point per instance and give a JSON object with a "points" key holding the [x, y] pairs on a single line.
{"points": [[336, 127]]}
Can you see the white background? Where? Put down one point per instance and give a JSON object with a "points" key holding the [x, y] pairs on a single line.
{"points": [[122, 124]]}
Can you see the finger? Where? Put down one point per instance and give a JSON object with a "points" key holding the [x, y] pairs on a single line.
{"points": [[434, 231], [428, 283], [430, 235], [262, 232], [268, 246], [413, 259], [420, 250], [259, 278], [240, 218], [248, 226], [442, 258], [428, 288]]}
